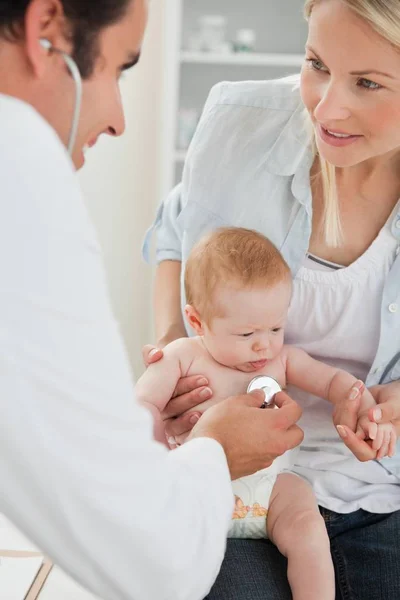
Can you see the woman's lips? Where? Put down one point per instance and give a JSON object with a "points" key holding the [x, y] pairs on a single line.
{"points": [[336, 138]]}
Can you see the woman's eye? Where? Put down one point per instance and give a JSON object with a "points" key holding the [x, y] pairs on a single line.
{"points": [[276, 330], [368, 84], [316, 64]]}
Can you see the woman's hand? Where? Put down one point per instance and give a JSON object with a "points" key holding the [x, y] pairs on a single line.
{"points": [[189, 393], [388, 398], [346, 416]]}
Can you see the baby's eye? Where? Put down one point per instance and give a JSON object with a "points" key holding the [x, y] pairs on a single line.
{"points": [[247, 335]]}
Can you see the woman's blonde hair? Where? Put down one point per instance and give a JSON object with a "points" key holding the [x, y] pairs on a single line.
{"points": [[384, 17]]}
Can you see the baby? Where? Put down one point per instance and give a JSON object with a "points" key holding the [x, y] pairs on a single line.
{"points": [[238, 289]]}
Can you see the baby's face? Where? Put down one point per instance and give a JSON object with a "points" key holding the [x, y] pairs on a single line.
{"points": [[250, 332]]}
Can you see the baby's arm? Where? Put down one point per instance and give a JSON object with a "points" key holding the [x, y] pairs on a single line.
{"points": [[156, 386], [334, 384], [320, 379]]}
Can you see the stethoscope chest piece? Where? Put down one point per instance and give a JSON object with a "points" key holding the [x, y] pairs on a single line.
{"points": [[269, 386]]}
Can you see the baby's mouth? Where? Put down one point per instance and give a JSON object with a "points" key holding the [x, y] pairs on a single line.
{"points": [[259, 364]]}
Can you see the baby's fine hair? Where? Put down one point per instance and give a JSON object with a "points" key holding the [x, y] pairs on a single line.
{"points": [[235, 257]]}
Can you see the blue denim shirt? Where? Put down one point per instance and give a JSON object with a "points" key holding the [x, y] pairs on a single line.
{"points": [[249, 166]]}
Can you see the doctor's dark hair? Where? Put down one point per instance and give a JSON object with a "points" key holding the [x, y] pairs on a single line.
{"points": [[85, 18]]}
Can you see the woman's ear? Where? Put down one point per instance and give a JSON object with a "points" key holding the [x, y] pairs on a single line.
{"points": [[194, 319]]}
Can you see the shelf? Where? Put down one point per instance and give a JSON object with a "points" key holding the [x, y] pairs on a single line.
{"points": [[246, 59]]}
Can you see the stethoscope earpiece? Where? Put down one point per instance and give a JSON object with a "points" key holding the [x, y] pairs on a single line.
{"points": [[45, 44]]}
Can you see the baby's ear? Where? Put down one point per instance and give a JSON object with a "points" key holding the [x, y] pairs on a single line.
{"points": [[194, 319]]}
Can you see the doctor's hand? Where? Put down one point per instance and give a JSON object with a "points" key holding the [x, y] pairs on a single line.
{"points": [[189, 393], [252, 438]]}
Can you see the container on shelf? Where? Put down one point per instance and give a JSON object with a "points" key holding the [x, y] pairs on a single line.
{"points": [[245, 40], [212, 33]]}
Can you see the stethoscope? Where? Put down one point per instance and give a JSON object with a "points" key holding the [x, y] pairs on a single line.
{"points": [[269, 386], [76, 76]]}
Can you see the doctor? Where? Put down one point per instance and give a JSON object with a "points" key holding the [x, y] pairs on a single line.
{"points": [[79, 471]]}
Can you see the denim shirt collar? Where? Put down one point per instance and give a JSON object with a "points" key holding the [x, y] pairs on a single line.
{"points": [[292, 156], [293, 144]]}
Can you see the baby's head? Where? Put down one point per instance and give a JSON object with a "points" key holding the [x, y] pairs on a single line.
{"points": [[238, 289]]}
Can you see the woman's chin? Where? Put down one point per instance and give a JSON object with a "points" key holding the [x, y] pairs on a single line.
{"points": [[340, 158]]}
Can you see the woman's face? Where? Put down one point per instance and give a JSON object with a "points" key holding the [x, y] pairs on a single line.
{"points": [[350, 85]]}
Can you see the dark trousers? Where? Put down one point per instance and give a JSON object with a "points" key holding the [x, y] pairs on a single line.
{"points": [[365, 550]]}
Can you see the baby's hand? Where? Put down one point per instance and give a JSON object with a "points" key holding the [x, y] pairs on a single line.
{"points": [[383, 435]]}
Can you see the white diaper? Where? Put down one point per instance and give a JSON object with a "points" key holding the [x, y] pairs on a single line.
{"points": [[252, 496]]}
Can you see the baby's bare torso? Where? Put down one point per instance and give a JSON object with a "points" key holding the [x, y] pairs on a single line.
{"points": [[225, 381]]}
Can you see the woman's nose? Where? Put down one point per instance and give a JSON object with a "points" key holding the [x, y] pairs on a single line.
{"points": [[333, 105]]}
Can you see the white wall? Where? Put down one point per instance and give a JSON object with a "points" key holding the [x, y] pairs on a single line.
{"points": [[121, 182]]}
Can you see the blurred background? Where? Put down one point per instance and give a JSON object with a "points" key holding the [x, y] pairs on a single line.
{"points": [[190, 45]]}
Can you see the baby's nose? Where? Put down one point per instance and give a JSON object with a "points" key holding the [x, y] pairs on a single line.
{"points": [[260, 346]]}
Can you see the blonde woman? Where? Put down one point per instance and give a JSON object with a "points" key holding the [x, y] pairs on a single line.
{"points": [[313, 164]]}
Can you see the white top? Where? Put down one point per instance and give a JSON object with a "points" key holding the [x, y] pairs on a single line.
{"points": [[330, 316], [79, 471]]}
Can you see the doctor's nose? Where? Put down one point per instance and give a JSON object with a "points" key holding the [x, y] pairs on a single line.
{"points": [[116, 118]]}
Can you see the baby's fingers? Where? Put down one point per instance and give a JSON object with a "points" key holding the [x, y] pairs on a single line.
{"points": [[379, 437], [392, 443], [384, 449], [383, 439], [366, 429]]}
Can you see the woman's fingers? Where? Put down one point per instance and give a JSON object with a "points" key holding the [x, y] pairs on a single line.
{"points": [[189, 384], [386, 412], [151, 354], [182, 425], [189, 393], [360, 448]]}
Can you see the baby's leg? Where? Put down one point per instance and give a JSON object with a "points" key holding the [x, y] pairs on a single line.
{"points": [[296, 527]]}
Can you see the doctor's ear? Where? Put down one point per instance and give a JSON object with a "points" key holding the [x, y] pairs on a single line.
{"points": [[194, 319], [44, 27]]}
